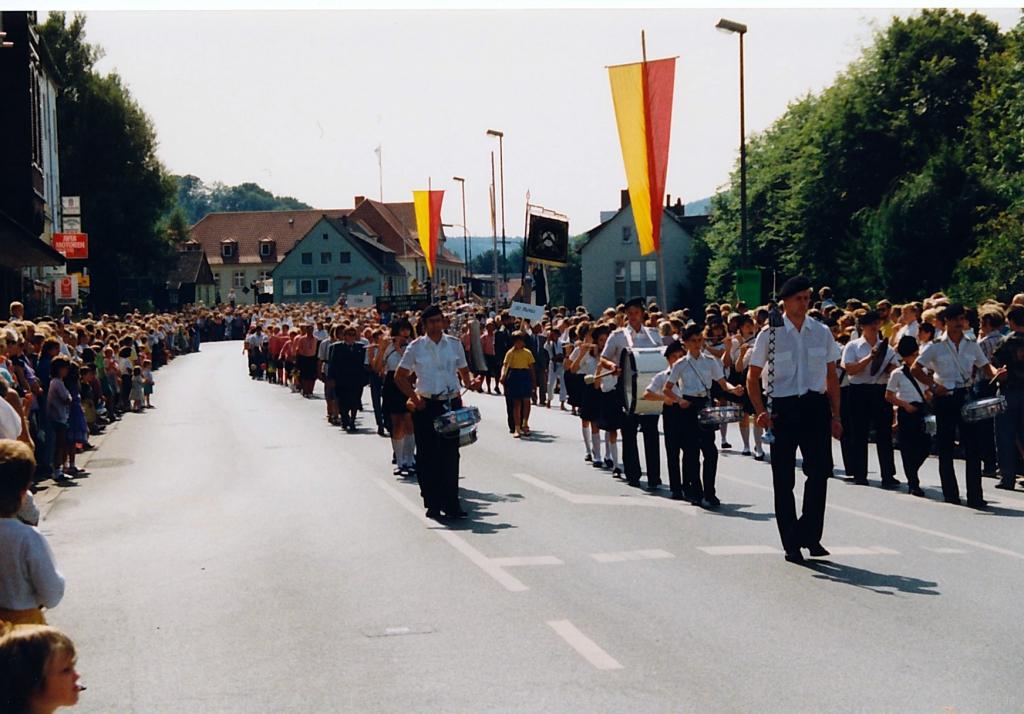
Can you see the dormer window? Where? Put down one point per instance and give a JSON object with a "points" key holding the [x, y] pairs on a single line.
{"points": [[227, 249], [191, 245], [266, 248]]}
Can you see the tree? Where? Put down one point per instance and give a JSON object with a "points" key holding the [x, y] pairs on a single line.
{"points": [[565, 285], [108, 157], [196, 199]]}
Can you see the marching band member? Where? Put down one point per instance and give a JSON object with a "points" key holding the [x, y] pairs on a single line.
{"points": [[610, 412], [583, 362], [805, 414], [673, 415], [868, 360], [439, 362], [632, 335], [388, 357], [908, 395], [694, 374], [739, 353]]}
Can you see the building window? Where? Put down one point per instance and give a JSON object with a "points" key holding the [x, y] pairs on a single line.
{"points": [[325, 258], [288, 287], [636, 279], [325, 236], [620, 281], [307, 258], [305, 287], [239, 279], [227, 250], [345, 257], [323, 286], [265, 250], [627, 233], [264, 275]]}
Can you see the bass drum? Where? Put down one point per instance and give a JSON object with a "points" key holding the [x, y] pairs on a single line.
{"points": [[639, 365]]}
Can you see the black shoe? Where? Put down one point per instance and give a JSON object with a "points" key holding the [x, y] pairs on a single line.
{"points": [[617, 473], [399, 471], [588, 458], [915, 491], [697, 500], [794, 556], [860, 481], [653, 486], [979, 504], [434, 514], [456, 515], [381, 432], [713, 501], [1007, 486], [677, 496], [955, 501], [817, 551], [890, 483], [633, 484]]}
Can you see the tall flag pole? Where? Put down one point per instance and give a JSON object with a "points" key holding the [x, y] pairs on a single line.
{"points": [[642, 97], [428, 223]]}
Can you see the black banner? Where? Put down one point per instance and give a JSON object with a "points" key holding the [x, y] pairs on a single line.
{"points": [[548, 241], [402, 303]]}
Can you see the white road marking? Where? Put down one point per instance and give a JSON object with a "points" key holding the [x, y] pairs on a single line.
{"points": [[526, 560], [629, 501], [740, 550], [584, 645], [625, 555], [858, 550], [474, 555], [898, 524]]}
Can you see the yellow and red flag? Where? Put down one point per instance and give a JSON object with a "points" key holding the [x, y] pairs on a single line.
{"points": [[642, 95], [428, 223]]}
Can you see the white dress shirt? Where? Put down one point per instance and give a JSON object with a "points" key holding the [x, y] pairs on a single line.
{"points": [[436, 366], [695, 375], [658, 382], [902, 387], [858, 349], [628, 337], [952, 365], [801, 357]]}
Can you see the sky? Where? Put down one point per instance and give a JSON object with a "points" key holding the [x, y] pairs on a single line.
{"points": [[298, 101]]}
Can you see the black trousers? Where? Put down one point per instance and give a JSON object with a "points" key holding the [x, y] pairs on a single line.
{"points": [[648, 426], [698, 441], [867, 406], [437, 459], [844, 441], [803, 422], [915, 443], [948, 422], [672, 423]]}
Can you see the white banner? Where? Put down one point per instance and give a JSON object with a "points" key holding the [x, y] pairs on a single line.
{"points": [[533, 313], [360, 301]]}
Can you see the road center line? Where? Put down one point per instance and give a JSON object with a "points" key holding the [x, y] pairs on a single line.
{"points": [[625, 555], [898, 524], [474, 555], [740, 550], [584, 645], [526, 560], [629, 501]]}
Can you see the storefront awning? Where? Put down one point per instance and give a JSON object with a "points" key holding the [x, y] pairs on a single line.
{"points": [[20, 249]]}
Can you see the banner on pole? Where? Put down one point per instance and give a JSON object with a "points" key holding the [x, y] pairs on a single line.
{"points": [[548, 239], [428, 223]]}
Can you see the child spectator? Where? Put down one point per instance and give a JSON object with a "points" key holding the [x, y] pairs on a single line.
{"points": [[519, 381], [137, 389], [78, 429], [28, 577], [147, 381], [58, 411], [37, 670]]}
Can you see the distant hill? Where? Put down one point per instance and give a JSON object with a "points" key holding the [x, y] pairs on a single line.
{"points": [[699, 208], [196, 199]]}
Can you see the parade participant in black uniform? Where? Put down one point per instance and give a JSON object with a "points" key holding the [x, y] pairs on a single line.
{"points": [[952, 359], [911, 397], [502, 344], [439, 362], [388, 357], [673, 415], [346, 373], [1010, 424], [868, 361], [804, 387], [635, 334]]}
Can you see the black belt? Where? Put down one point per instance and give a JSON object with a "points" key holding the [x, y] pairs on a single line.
{"points": [[693, 397], [805, 395], [441, 397]]}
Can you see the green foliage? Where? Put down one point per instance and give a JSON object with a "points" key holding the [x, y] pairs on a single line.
{"points": [[196, 199], [483, 263], [874, 186], [108, 157], [565, 285]]}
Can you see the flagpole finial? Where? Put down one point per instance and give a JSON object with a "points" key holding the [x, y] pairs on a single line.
{"points": [[643, 44]]}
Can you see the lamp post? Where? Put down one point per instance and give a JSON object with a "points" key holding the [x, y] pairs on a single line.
{"points": [[501, 164], [465, 231], [740, 29]]}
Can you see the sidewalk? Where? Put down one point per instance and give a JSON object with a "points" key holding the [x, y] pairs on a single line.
{"points": [[48, 491]]}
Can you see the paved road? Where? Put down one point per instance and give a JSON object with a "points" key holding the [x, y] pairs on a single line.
{"points": [[230, 552]]}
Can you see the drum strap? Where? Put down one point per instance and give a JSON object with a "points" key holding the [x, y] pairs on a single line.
{"points": [[956, 358], [700, 377], [906, 371]]}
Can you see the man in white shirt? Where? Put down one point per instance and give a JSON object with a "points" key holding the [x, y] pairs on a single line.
{"points": [[635, 335], [868, 361], [952, 359], [805, 413], [439, 362]]}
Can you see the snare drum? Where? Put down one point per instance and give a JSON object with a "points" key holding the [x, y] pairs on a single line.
{"points": [[451, 423], [467, 436], [716, 416], [982, 409], [639, 365], [931, 427]]}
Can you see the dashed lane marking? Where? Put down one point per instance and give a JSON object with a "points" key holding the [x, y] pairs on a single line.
{"points": [[947, 551], [629, 501], [474, 555], [526, 560], [584, 645], [625, 555], [740, 550]]}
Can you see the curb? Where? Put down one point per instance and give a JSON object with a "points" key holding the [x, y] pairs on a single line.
{"points": [[46, 499]]}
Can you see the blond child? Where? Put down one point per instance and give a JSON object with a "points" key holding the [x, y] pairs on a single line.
{"points": [[147, 381], [37, 670]]}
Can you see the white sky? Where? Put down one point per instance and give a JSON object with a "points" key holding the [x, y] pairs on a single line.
{"points": [[297, 101]]}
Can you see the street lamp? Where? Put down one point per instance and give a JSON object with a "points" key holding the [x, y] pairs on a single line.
{"points": [[465, 231], [501, 163], [740, 29]]}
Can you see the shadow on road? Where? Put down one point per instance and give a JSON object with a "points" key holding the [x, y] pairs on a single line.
{"points": [[736, 510], [876, 582], [476, 503], [540, 437]]}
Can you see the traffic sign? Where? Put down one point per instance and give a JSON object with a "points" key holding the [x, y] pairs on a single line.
{"points": [[65, 290]]}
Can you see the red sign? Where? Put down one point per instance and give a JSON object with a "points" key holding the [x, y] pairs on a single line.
{"points": [[73, 246]]}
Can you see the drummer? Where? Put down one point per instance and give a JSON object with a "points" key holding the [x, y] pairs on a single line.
{"points": [[694, 374], [952, 359], [632, 336], [673, 414], [439, 362]]}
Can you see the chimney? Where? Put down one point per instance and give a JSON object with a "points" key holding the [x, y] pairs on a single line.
{"points": [[624, 200], [344, 221], [668, 200], [358, 200], [679, 209]]}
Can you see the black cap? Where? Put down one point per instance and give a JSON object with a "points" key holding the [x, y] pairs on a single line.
{"points": [[907, 346], [954, 310], [431, 311], [869, 317], [793, 286], [636, 302]]}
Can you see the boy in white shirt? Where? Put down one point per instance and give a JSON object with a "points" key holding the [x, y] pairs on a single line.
{"points": [[911, 397]]}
